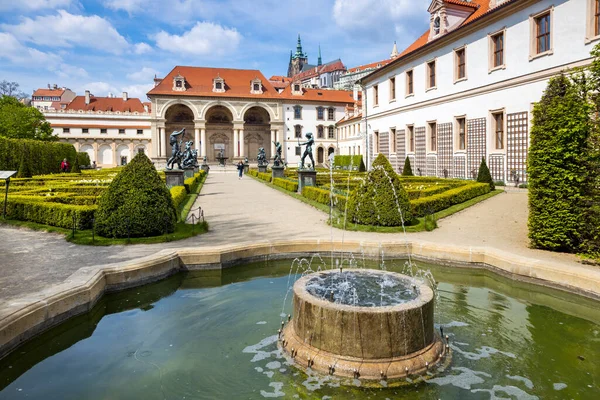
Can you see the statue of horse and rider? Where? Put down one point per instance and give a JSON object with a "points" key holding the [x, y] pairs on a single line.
{"points": [[188, 157]]}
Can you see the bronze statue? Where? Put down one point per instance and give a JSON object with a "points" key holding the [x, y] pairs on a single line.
{"points": [[176, 154], [261, 156], [277, 159], [190, 156], [308, 151]]}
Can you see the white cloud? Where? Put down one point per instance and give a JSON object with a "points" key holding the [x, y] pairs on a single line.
{"points": [[16, 53], [205, 38], [67, 71], [33, 5], [68, 30], [141, 48], [138, 91], [130, 6], [100, 89], [103, 89], [145, 74]]}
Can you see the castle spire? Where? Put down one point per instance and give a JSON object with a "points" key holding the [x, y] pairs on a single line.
{"points": [[394, 51], [319, 62], [299, 53]]}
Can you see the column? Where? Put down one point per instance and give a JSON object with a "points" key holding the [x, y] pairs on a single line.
{"points": [[273, 139], [236, 144], [163, 142], [197, 139], [242, 150], [131, 152], [95, 147], [113, 146], [203, 142]]}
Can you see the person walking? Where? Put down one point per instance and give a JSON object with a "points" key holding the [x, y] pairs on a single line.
{"points": [[240, 168], [64, 166]]}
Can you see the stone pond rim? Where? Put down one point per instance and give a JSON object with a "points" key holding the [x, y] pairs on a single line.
{"points": [[373, 344]]}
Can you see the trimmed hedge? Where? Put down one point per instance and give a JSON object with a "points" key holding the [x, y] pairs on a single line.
{"points": [[49, 213], [34, 157], [407, 170], [324, 197], [191, 184], [179, 194], [438, 202], [414, 194], [345, 162], [253, 172], [286, 184], [83, 159], [484, 175], [265, 176]]}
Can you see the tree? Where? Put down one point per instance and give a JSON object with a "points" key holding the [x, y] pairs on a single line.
{"points": [[18, 121], [407, 171], [381, 199], [484, 175], [12, 89]]}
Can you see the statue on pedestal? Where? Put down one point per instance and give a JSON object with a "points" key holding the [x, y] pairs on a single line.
{"points": [[277, 159], [176, 154], [308, 151], [190, 156], [262, 157]]}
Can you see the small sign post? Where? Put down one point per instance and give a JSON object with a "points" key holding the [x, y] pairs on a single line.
{"points": [[6, 175]]}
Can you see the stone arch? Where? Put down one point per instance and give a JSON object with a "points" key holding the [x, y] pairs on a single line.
{"points": [[320, 155], [140, 148], [170, 103], [258, 105], [219, 128], [105, 155], [218, 114], [89, 149], [252, 142], [178, 116], [205, 111], [257, 125], [123, 156]]}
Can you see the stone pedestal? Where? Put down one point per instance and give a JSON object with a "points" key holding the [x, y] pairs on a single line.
{"points": [[196, 169], [277, 171], [188, 172], [205, 167], [306, 177], [246, 167], [262, 168], [175, 177]]}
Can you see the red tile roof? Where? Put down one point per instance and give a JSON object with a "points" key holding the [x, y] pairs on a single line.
{"points": [[48, 92], [106, 104], [350, 119], [280, 82], [322, 95], [376, 64], [316, 71], [199, 82], [462, 3]]}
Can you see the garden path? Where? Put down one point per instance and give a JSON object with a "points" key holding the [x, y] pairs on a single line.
{"points": [[245, 211]]}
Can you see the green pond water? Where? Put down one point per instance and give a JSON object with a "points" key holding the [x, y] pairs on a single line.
{"points": [[212, 335]]}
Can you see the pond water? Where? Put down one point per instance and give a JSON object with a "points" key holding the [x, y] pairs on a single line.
{"points": [[212, 335]]}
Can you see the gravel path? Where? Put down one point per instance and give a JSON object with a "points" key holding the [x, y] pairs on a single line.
{"points": [[245, 210]]}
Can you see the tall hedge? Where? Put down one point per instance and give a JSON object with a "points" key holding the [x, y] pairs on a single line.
{"points": [[347, 162], [484, 175], [83, 159], [137, 203], [407, 170], [557, 166], [381, 199], [35, 156]]}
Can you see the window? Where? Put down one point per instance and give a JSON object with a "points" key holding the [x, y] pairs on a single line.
{"points": [[320, 113], [297, 112], [375, 95], [298, 150], [461, 69], [375, 142], [433, 136], [121, 131], [297, 131], [66, 130], [140, 132], [462, 135], [436, 26], [498, 129], [411, 138], [497, 46], [331, 132], [392, 89], [256, 87], [178, 84], [431, 75], [103, 130], [392, 140], [296, 88], [320, 132], [331, 114], [409, 83], [596, 17], [542, 24], [85, 130]]}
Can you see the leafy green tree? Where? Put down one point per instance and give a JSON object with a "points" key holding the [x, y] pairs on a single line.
{"points": [[137, 203], [381, 199], [557, 165], [17, 121], [407, 171], [484, 175]]}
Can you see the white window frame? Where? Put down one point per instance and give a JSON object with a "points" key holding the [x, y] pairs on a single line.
{"points": [[456, 145], [590, 28], [491, 50], [428, 75], [533, 54], [456, 65]]}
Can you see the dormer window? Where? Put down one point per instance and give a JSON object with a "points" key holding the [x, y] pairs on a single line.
{"points": [[218, 85], [297, 88], [179, 83], [256, 86], [436, 26]]}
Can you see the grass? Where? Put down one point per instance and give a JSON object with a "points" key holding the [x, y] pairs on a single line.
{"points": [[419, 225], [87, 237], [190, 200]]}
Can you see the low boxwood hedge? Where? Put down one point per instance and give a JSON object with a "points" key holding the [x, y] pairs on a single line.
{"points": [[286, 184], [265, 176], [179, 194], [431, 204], [324, 197], [49, 213]]}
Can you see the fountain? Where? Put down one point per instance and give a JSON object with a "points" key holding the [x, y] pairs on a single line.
{"points": [[367, 324]]}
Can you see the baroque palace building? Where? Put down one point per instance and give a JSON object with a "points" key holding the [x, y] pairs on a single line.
{"points": [[465, 89]]}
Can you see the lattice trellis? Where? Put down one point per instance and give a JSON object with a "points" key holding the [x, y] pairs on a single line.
{"points": [[384, 144], [400, 149], [413, 164], [475, 145], [420, 151], [496, 165], [431, 165], [370, 149], [460, 164], [444, 151], [517, 140]]}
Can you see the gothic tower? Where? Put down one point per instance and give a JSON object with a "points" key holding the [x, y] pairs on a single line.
{"points": [[297, 61]]}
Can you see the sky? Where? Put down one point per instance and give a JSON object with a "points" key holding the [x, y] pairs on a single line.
{"points": [[113, 46]]}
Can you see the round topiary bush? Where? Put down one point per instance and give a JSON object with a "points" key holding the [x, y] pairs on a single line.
{"points": [[136, 204], [381, 199]]}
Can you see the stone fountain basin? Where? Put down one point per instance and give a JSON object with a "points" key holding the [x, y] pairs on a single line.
{"points": [[390, 341]]}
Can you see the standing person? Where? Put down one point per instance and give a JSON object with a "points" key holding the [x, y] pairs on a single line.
{"points": [[240, 168], [64, 166]]}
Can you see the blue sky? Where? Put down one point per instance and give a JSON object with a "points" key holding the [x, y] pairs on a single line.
{"points": [[119, 45]]}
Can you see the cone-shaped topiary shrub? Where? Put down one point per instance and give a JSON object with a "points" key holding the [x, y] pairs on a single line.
{"points": [[75, 168], [484, 175], [378, 199], [137, 201], [25, 165], [407, 171]]}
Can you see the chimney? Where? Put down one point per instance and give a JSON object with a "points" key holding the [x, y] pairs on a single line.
{"points": [[55, 86], [87, 97], [124, 96], [145, 107], [49, 86]]}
